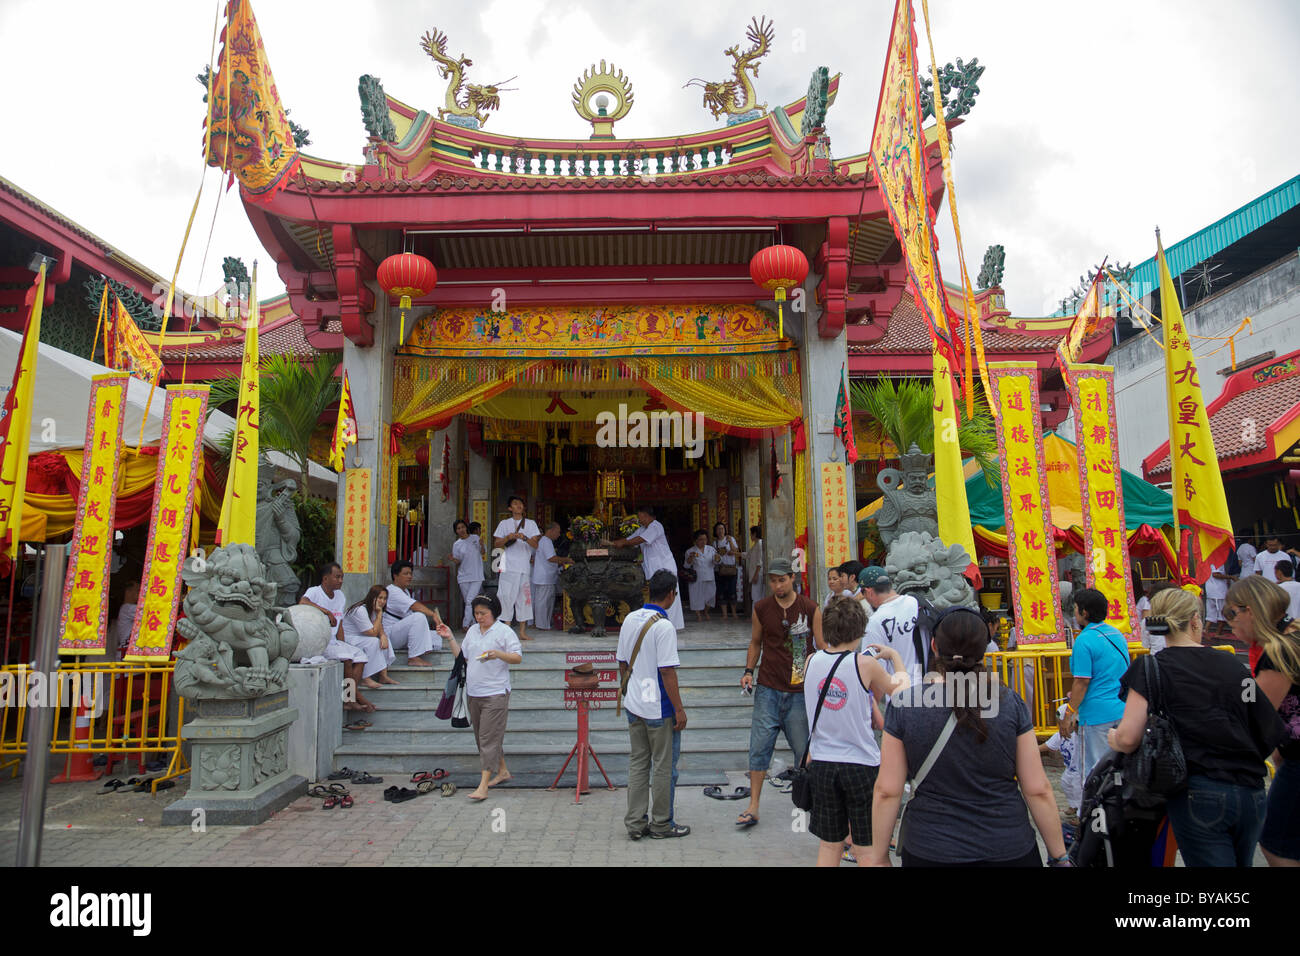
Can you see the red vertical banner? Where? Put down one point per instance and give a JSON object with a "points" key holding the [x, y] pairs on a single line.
{"points": [[1092, 394], [169, 525], [724, 508], [1027, 508], [85, 589]]}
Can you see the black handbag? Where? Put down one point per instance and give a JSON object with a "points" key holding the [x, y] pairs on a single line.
{"points": [[801, 781], [1158, 766]]}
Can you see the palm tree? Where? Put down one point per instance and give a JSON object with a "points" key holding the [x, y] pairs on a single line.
{"points": [[294, 396], [903, 411]]}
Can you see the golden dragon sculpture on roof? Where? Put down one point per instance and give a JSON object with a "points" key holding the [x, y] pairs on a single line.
{"points": [[736, 96], [463, 99]]}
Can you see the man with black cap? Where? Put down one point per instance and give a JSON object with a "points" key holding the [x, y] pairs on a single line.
{"points": [[785, 628], [893, 621]]}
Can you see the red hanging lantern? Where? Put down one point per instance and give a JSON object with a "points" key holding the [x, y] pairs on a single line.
{"points": [[777, 269], [408, 276]]}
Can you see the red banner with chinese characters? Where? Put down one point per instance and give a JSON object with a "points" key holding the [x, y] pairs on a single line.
{"points": [[1092, 393], [835, 514], [169, 526], [85, 589], [1025, 503], [356, 520]]}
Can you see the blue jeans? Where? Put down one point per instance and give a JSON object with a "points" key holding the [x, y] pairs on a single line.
{"points": [[1093, 745], [1217, 823], [776, 712]]}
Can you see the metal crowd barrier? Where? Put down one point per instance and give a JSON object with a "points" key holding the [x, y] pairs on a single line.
{"points": [[111, 708], [1042, 678]]}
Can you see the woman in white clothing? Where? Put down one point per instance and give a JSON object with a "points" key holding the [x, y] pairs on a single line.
{"points": [[467, 555], [754, 565], [728, 569], [363, 627], [702, 558], [490, 646]]}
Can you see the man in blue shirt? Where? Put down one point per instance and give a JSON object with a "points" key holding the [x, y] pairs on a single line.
{"points": [[1099, 660]]}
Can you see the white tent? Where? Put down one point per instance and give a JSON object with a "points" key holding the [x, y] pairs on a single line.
{"points": [[63, 400]]}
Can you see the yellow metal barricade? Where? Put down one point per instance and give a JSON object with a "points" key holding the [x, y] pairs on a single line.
{"points": [[132, 709], [1042, 678]]}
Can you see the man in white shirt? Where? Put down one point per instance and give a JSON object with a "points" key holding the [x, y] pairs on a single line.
{"points": [[1246, 555], [1266, 560], [546, 571], [407, 620], [655, 554], [655, 715], [893, 622], [518, 536], [125, 621], [327, 597], [1284, 573]]}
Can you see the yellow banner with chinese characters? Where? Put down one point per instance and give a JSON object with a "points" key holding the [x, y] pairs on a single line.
{"points": [[1105, 541], [356, 520], [1032, 551], [898, 157], [949, 477], [1084, 324], [125, 347], [1199, 500], [835, 514], [85, 589], [239, 509], [169, 526]]}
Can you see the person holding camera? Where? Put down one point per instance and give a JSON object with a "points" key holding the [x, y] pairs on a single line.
{"points": [[518, 535]]}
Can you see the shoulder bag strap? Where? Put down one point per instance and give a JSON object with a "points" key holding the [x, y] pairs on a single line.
{"points": [[622, 684], [1151, 671], [944, 736], [817, 714]]}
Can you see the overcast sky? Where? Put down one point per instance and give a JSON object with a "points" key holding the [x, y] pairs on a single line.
{"points": [[1095, 121]]}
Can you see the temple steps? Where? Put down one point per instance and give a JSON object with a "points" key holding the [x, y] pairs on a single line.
{"points": [[406, 736]]}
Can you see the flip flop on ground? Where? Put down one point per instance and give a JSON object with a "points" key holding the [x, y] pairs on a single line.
{"points": [[746, 820]]}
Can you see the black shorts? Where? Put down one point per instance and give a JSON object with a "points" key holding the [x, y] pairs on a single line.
{"points": [[842, 795]]}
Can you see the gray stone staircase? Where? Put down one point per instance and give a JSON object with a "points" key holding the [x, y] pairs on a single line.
{"points": [[406, 735]]}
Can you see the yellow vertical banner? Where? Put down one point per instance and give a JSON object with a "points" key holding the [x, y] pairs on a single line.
{"points": [[85, 589], [1092, 394], [16, 428], [1031, 544], [1199, 499], [949, 478], [479, 512], [835, 514], [169, 524], [356, 521], [239, 508]]}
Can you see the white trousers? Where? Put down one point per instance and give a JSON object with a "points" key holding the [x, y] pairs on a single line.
{"points": [[377, 658], [543, 605], [469, 590], [337, 650], [413, 633], [514, 591]]}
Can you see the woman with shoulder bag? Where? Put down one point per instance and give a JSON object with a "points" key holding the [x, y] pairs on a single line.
{"points": [[728, 569], [1223, 732], [844, 754], [973, 761]]}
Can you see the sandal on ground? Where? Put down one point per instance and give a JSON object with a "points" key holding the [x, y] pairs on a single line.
{"points": [[346, 803], [317, 791], [746, 820], [358, 725], [330, 803], [362, 777], [112, 786], [421, 775], [425, 786], [343, 774], [448, 788], [337, 789], [741, 793]]}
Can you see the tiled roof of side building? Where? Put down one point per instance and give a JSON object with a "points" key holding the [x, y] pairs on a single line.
{"points": [[908, 332]]}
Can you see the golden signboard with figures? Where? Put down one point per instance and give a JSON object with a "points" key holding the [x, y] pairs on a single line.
{"points": [[836, 539]]}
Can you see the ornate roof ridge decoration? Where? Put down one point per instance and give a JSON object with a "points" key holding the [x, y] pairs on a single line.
{"points": [[467, 104], [736, 97], [374, 109], [135, 304], [447, 181], [602, 81]]}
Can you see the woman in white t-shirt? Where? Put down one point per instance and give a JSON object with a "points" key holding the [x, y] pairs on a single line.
{"points": [[728, 569], [490, 647], [702, 558], [467, 555], [363, 627]]}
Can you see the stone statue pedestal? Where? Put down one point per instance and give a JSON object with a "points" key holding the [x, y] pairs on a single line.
{"points": [[240, 761]]}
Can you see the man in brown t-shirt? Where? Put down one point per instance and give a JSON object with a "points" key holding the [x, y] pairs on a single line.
{"points": [[786, 627]]}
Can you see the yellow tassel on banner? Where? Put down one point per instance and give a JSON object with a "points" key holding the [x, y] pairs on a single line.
{"points": [[663, 461], [701, 474], [535, 495]]}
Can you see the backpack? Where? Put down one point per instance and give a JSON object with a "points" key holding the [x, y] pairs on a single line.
{"points": [[926, 615], [1232, 566]]}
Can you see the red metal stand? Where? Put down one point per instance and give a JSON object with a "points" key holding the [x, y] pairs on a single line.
{"points": [[582, 748]]}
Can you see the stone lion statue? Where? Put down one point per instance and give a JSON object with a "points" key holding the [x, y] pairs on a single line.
{"points": [[921, 565], [237, 647]]}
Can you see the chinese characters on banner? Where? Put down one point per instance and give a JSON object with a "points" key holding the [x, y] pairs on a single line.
{"points": [[724, 508], [1031, 545], [169, 524], [479, 512], [85, 590], [835, 514], [356, 520], [1092, 393]]}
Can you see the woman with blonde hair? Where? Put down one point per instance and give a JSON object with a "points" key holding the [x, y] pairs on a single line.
{"points": [[1257, 611], [1225, 734]]}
